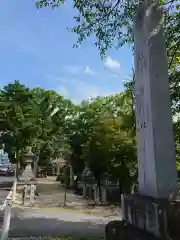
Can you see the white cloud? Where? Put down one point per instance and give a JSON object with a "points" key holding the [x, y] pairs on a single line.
{"points": [[112, 65], [88, 71]]}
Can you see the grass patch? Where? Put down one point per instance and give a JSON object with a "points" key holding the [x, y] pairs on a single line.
{"points": [[69, 238]]}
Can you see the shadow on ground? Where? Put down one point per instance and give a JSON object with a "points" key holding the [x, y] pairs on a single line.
{"points": [[26, 227], [116, 230]]}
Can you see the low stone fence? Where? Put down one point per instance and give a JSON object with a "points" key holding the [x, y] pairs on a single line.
{"points": [[79, 187], [110, 194], [113, 193], [156, 216]]}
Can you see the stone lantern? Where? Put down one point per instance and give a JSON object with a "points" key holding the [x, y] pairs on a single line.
{"points": [[28, 158]]}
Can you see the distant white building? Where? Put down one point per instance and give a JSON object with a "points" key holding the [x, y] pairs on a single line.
{"points": [[4, 158]]}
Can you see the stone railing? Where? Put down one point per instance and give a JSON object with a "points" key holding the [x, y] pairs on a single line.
{"points": [[156, 216], [110, 193], [5, 209]]}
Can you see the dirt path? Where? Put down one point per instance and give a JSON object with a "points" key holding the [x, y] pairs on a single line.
{"points": [[48, 218], [51, 195]]}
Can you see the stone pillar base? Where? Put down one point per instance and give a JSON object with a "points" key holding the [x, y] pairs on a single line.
{"points": [[159, 217], [84, 191], [121, 230], [104, 195]]}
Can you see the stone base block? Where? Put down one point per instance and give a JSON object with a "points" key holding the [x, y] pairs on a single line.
{"points": [[157, 216], [121, 230]]}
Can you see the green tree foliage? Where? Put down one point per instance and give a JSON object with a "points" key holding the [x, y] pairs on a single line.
{"points": [[105, 138], [99, 131], [111, 22], [32, 117], [14, 101], [111, 150]]}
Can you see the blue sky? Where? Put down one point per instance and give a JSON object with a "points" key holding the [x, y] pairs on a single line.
{"points": [[36, 49]]}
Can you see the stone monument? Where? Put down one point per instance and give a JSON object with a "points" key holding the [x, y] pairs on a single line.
{"points": [[155, 140]]}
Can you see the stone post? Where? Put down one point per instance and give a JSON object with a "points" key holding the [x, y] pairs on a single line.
{"points": [[104, 194], [155, 141], [104, 190], [123, 207], [6, 221], [14, 190], [96, 194], [24, 194], [71, 175], [84, 190], [53, 170], [58, 167], [32, 193]]}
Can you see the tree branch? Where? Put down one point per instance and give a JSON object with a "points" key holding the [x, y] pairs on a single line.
{"points": [[174, 53]]}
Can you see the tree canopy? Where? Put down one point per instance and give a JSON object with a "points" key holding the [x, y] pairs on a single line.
{"points": [[99, 131], [111, 22]]}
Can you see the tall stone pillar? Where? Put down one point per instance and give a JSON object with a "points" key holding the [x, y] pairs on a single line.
{"points": [[149, 210], [155, 140]]}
